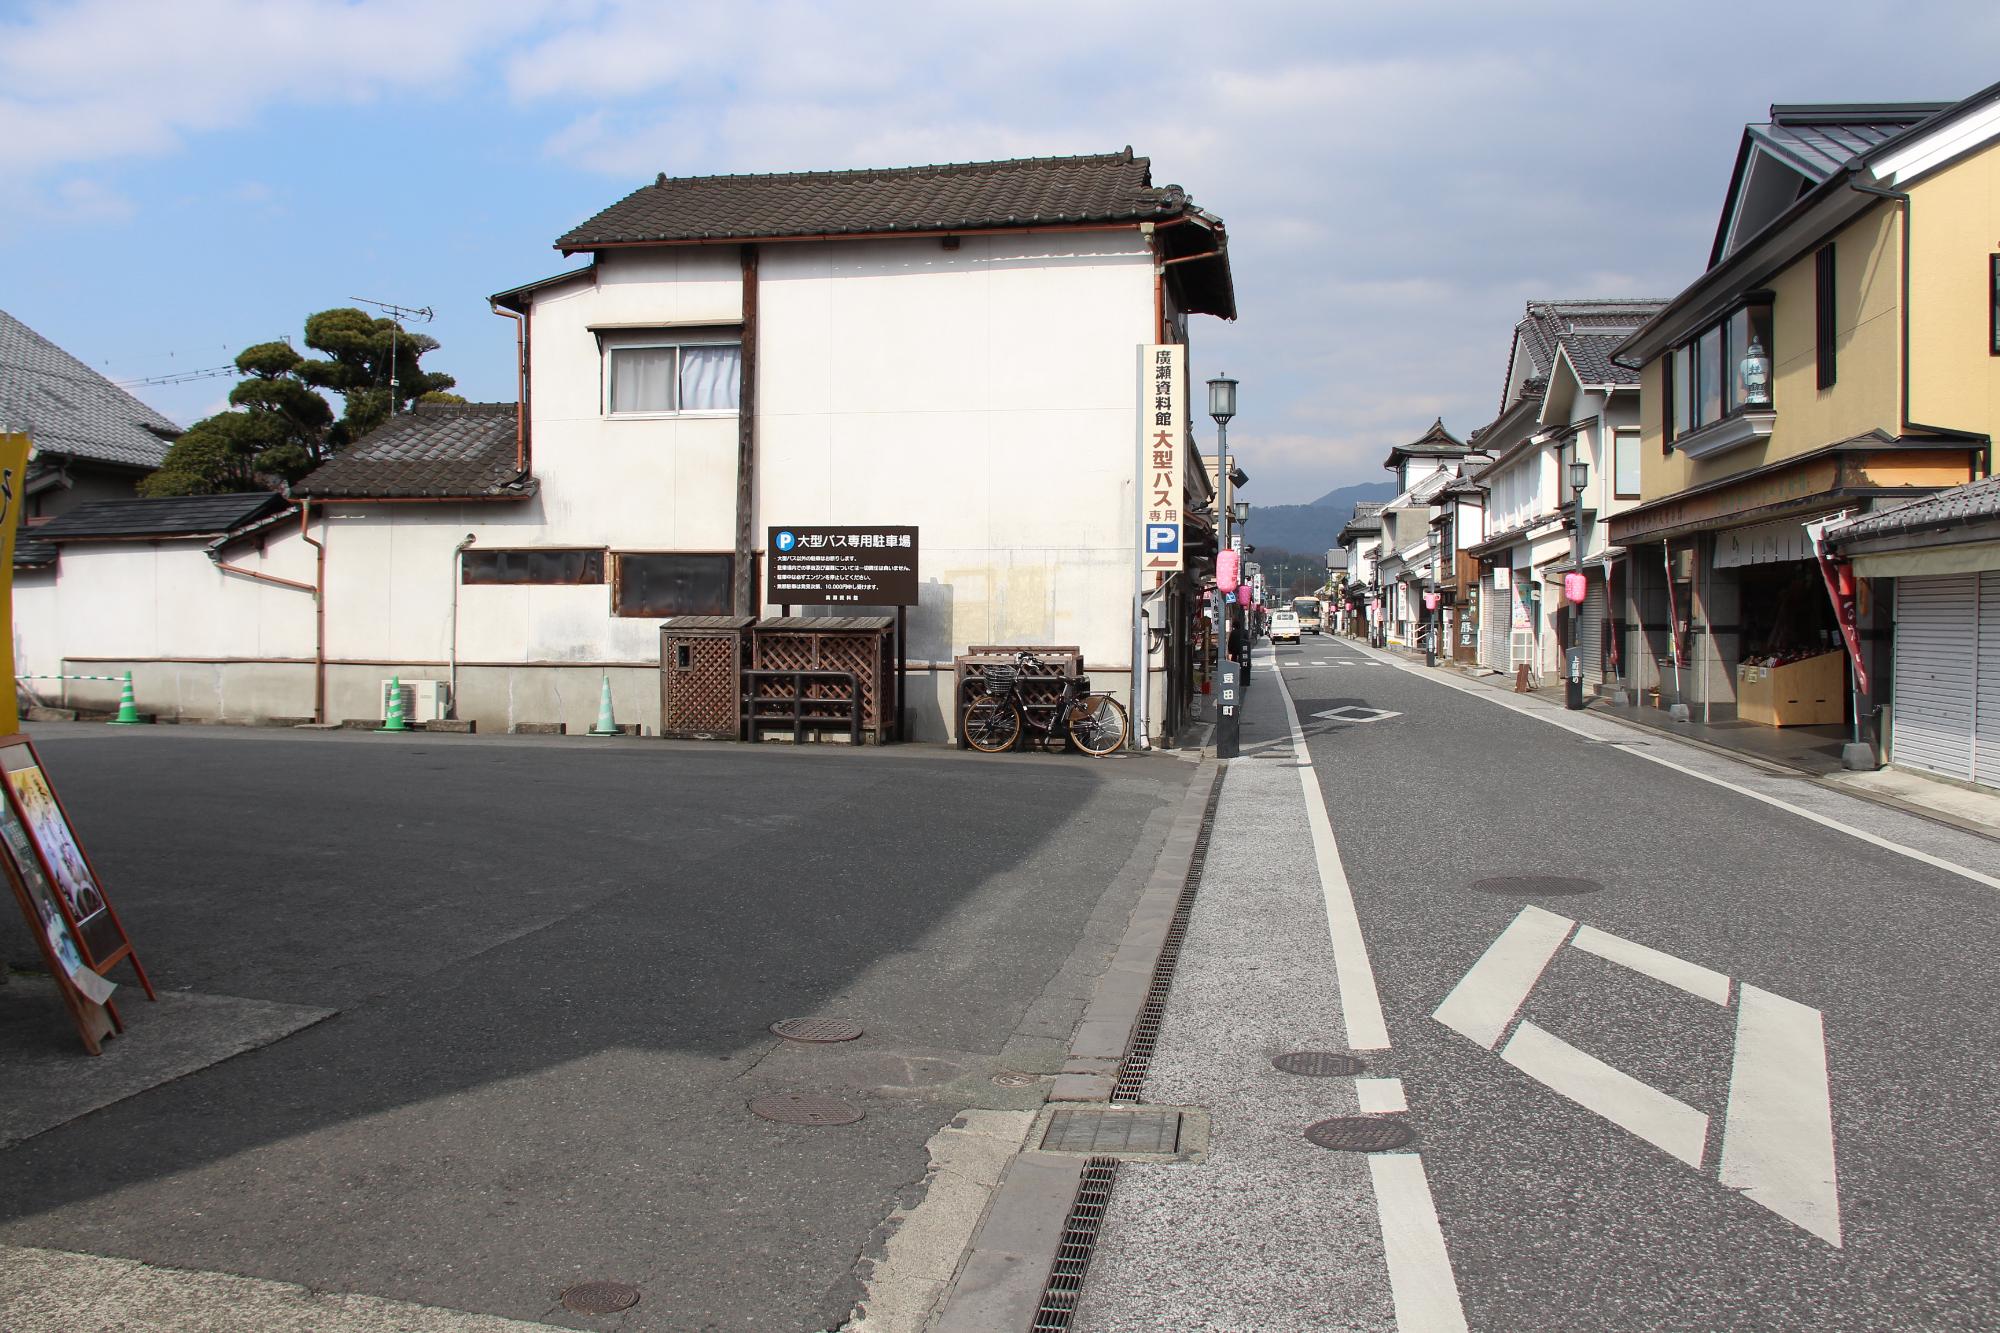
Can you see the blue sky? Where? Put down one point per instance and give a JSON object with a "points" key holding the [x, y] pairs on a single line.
{"points": [[1398, 179]]}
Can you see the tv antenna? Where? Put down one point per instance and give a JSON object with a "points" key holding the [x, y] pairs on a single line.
{"points": [[397, 313]]}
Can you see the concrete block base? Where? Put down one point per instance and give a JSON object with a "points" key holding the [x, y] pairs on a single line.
{"points": [[1681, 713], [539, 729], [1859, 757]]}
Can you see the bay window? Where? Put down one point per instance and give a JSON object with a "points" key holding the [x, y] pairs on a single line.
{"points": [[1706, 380]]}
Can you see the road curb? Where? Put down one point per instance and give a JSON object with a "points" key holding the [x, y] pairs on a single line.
{"points": [[1001, 1279]]}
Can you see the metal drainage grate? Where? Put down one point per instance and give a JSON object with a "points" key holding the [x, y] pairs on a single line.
{"points": [[1361, 1133], [817, 1030], [1079, 1238], [1536, 886], [1319, 1064], [799, 1108], [1091, 1130], [600, 1297], [1146, 1032]]}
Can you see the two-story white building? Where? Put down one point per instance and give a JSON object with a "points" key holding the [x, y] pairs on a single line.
{"points": [[1563, 402], [954, 348]]}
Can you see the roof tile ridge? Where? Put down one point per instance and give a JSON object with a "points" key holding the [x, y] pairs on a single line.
{"points": [[938, 168]]}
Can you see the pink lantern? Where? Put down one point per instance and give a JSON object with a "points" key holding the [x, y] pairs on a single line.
{"points": [[1228, 570], [1430, 601], [1575, 588]]}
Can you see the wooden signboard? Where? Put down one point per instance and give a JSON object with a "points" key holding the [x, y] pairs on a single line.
{"points": [[60, 894]]}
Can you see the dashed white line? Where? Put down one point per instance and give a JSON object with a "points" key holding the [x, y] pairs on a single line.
{"points": [[1421, 1283], [1381, 1096]]}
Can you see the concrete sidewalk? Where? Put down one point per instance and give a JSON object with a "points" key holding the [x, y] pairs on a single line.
{"points": [[1266, 1231]]}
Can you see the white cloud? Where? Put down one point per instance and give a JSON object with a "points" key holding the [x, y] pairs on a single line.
{"points": [[102, 79]]}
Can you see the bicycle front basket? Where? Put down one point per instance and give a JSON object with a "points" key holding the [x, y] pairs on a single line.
{"points": [[999, 680]]}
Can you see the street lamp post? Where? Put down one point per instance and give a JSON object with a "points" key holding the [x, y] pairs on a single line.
{"points": [[1579, 477], [1222, 407]]}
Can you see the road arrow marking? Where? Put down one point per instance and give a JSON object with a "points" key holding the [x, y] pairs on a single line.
{"points": [[1777, 1134]]}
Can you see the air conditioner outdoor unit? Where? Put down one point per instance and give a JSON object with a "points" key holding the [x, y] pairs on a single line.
{"points": [[423, 700]]}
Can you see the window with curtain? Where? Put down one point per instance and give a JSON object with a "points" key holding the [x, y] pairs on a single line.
{"points": [[1625, 462], [666, 378]]}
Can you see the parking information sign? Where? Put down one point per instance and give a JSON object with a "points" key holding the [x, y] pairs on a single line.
{"points": [[1162, 454], [841, 566]]}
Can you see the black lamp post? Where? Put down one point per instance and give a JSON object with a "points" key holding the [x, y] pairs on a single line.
{"points": [[1579, 477], [1229, 691]]}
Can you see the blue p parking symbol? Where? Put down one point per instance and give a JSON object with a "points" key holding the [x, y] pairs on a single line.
{"points": [[787, 540], [1163, 539]]}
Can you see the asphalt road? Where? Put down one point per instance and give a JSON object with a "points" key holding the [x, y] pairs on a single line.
{"points": [[1573, 1197], [554, 964]]}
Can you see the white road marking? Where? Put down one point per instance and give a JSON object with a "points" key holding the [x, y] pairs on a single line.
{"points": [[1777, 1137], [1827, 821], [1356, 713], [1420, 1280], [1421, 1283], [1486, 999], [1360, 1002], [1380, 1096], [1690, 977], [1668, 1123]]}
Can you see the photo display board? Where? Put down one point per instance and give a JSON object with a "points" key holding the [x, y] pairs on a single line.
{"points": [[59, 891], [850, 565]]}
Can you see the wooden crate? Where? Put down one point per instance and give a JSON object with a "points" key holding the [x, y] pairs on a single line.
{"points": [[1807, 693]]}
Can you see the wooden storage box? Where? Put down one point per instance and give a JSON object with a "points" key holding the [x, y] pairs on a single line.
{"points": [[1807, 693]]}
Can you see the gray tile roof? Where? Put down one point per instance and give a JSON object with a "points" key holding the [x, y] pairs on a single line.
{"points": [[1819, 140], [1105, 187], [1589, 329], [29, 554], [68, 408], [174, 516], [1973, 502], [440, 451]]}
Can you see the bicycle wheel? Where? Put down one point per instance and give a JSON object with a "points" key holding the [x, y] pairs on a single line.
{"points": [[1097, 724], [991, 725]]}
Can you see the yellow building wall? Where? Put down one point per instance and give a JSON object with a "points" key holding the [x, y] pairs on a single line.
{"points": [[1954, 377], [1867, 393]]}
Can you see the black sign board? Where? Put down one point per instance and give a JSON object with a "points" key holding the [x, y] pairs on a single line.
{"points": [[841, 566]]}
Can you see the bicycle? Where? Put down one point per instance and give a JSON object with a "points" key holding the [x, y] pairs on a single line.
{"points": [[1093, 720]]}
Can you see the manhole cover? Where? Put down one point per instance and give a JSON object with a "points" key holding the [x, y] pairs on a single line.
{"points": [[600, 1297], [797, 1108], [816, 1029], [1011, 1078], [1360, 1133], [1536, 886], [1319, 1064]]}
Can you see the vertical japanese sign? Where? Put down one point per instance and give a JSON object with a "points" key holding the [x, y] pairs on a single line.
{"points": [[13, 479], [1163, 456]]}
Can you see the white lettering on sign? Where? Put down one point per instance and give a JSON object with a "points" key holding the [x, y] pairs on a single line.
{"points": [[1777, 1133], [1162, 454]]}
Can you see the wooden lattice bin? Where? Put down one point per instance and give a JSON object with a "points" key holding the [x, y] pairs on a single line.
{"points": [[863, 645], [701, 677]]}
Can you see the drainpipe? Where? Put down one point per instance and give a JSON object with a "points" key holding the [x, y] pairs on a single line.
{"points": [[457, 556], [319, 612], [520, 392], [315, 588], [1902, 198]]}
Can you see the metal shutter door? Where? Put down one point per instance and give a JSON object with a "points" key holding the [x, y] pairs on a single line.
{"points": [[1986, 691], [1936, 643], [1590, 635], [1496, 615]]}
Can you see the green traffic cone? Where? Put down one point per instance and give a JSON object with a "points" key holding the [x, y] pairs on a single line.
{"points": [[128, 708], [395, 721], [605, 726]]}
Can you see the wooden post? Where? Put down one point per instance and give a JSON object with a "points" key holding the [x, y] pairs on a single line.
{"points": [[902, 671], [745, 591]]}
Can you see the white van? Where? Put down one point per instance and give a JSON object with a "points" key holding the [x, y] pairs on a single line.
{"points": [[1284, 626]]}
